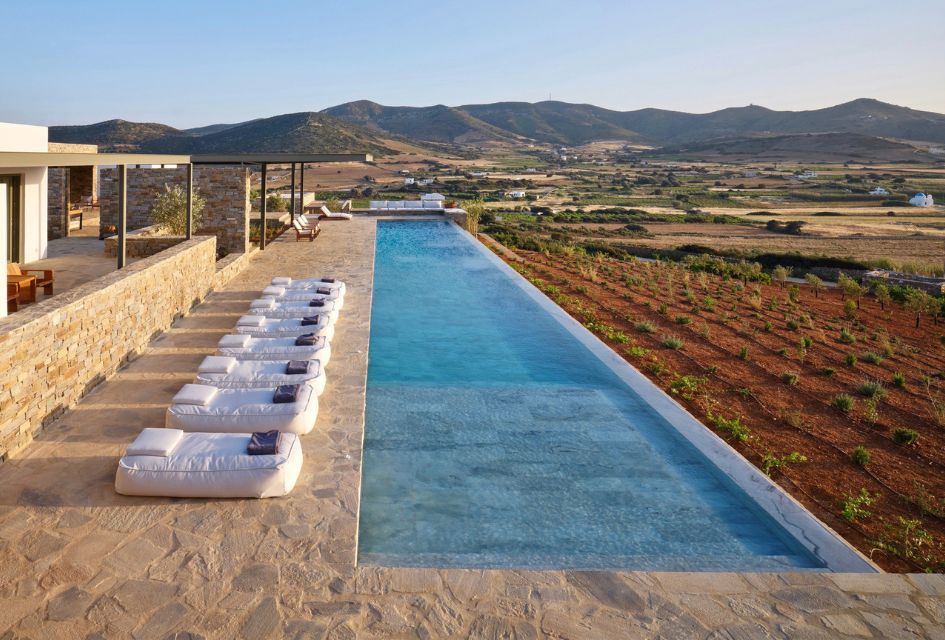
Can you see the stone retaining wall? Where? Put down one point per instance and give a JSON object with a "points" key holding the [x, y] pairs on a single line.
{"points": [[224, 188], [57, 350], [142, 243]]}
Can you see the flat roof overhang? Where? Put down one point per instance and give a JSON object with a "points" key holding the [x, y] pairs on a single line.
{"points": [[279, 158], [11, 159]]}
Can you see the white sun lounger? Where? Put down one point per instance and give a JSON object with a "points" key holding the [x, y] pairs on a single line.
{"points": [[229, 373], [307, 283], [245, 347], [198, 407], [324, 213], [263, 327], [272, 308], [172, 463], [281, 294]]}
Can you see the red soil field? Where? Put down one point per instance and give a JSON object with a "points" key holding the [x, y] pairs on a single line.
{"points": [[742, 357]]}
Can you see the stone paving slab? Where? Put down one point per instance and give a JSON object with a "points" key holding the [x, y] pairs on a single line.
{"points": [[78, 560]]}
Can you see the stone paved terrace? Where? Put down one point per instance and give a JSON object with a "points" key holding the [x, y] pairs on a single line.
{"points": [[79, 561]]}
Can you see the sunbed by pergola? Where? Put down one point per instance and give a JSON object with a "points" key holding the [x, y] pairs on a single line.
{"points": [[19, 160]]}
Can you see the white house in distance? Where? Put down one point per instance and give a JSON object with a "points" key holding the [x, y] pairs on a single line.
{"points": [[409, 181], [922, 200], [804, 175], [424, 182], [23, 198], [515, 195], [879, 191]]}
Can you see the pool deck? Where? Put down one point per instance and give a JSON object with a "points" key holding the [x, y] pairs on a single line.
{"points": [[77, 560]]}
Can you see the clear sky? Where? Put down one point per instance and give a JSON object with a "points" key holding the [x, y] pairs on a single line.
{"points": [[199, 62]]}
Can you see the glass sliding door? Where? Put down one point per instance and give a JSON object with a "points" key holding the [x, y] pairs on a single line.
{"points": [[10, 191]]}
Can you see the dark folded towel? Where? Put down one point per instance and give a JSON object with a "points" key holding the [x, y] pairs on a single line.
{"points": [[286, 393], [297, 367], [308, 340], [317, 302], [323, 291], [264, 443], [310, 321], [330, 280]]}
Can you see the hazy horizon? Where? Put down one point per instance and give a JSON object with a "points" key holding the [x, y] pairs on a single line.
{"points": [[191, 65]]}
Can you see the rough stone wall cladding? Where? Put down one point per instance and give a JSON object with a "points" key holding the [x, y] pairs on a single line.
{"points": [[57, 205], [56, 350], [141, 247], [82, 183], [69, 147], [225, 189]]}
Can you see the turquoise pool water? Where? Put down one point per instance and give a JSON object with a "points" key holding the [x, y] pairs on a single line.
{"points": [[495, 439]]}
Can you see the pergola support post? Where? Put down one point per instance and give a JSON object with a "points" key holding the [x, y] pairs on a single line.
{"points": [[292, 201], [301, 187], [190, 201], [262, 210], [122, 212]]}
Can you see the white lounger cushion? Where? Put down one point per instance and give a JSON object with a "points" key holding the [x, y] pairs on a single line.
{"points": [[293, 309], [245, 411], [217, 364], [251, 374], [250, 321], [212, 465], [199, 395], [307, 283], [273, 290], [232, 340], [289, 327], [155, 442], [299, 295], [275, 349]]}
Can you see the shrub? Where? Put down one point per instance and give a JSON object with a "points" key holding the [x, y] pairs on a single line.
{"points": [[871, 357], [637, 352], [794, 293], [852, 507], [828, 371], [849, 310], [772, 463], [846, 337], [871, 389], [645, 327], [899, 379], [861, 456], [170, 209], [732, 426], [686, 386], [844, 402], [683, 319], [672, 342], [851, 359], [663, 308], [793, 324], [768, 327], [905, 436], [743, 353], [790, 377], [806, 342]]}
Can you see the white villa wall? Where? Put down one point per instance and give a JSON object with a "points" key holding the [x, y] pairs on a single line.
{"points": [[23, 137], [26, 138]]}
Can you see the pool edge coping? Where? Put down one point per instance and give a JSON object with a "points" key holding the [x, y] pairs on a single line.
{"points": [[814, 535]]}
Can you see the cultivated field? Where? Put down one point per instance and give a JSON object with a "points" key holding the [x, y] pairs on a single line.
{"points": [[841, 402]]}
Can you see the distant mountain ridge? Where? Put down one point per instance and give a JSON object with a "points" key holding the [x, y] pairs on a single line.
{"points": [[367, 126]]}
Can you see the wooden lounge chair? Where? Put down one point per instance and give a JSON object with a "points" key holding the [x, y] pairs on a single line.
{"points": [[43, 277], [13, 296], [324, 213], [305, 232]]}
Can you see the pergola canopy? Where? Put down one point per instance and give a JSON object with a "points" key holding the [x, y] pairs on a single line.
{"points": [[10, 159]]}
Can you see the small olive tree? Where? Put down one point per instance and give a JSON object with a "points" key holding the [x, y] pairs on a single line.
{"points": [[170, 209], [815, 283]]}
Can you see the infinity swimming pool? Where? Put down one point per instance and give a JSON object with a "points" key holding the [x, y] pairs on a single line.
{"points": [[495, 438]]}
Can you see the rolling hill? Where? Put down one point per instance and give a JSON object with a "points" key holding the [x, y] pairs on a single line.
{"points": [[438, 123], [369, 127], [304, 132], [822, 147]]}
